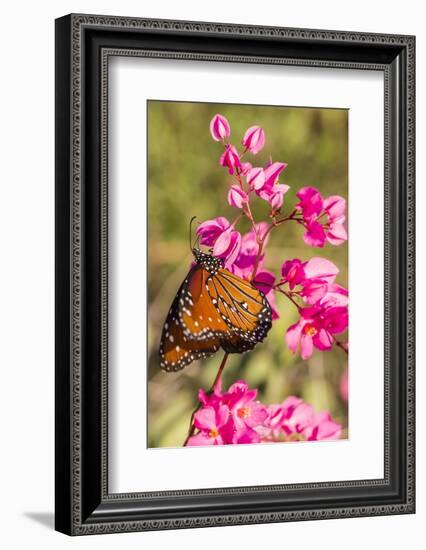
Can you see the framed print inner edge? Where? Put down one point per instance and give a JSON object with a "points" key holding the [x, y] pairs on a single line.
{"points": [[118, 512]]}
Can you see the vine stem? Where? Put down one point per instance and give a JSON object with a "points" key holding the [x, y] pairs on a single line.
{"points": [[261, 241], [217, 378], [287, 295], [341, 345]]}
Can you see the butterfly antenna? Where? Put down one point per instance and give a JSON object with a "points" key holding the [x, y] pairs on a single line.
{"points": [[190, 233]]}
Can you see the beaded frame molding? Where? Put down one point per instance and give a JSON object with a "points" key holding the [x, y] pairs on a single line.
{"points": [[84, 44]]}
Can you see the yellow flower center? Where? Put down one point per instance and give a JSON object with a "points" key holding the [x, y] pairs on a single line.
{"points": [[310, 330], [214, 432], [243, 412]]}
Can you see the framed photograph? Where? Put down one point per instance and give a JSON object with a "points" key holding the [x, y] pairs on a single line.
{"points": [[234, 274]]}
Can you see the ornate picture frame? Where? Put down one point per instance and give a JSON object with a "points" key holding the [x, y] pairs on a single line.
{"points": [[84, 45]]}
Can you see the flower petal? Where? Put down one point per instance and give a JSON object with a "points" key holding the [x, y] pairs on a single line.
{"points": [[311, 203], [219, 128], [335, 206], [254, 139], [320, 268], [237, 197], [337, 234], [315, 235], [293, 334], [306, 345], [272, 172], [200, 439], [205, 418]]}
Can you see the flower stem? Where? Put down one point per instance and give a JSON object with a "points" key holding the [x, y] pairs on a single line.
{"points": [[287, 295], [261, 241], [341, 345], [217, 378]]}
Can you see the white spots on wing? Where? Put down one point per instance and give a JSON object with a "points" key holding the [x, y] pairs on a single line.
{"points": [[171, 339]]}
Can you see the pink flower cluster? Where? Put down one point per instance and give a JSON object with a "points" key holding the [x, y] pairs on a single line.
{"points": [[323, 219], [327, 312], [263, 181], [236, 417], [322, 304]]}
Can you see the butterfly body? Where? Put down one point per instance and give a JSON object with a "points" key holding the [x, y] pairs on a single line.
{"points": [[213, 309]]}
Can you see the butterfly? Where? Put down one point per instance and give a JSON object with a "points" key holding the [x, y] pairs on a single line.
{"points": [[213, 309]]}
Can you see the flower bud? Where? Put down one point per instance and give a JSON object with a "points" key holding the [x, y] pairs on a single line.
{"points": [[237, 197], [230, 159], [219, 128], [255, 178], [254, 139]]}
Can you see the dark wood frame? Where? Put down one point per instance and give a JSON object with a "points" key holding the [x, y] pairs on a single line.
{"points": [[83, 46]]}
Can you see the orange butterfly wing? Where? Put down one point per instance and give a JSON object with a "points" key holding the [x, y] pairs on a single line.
{"points": [[212, 311], [241, 305], [176, 350], [199, 317]]}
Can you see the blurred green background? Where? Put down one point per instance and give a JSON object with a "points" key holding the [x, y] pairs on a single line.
{"points": [[185, 180]]}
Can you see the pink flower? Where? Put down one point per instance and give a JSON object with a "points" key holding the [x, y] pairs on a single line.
{"points": [[272, 172], [245, 411], [295, 420], [219, 128], [315, 234], [276, 197], [245, 168], [300, 421], [254, 139], [271, 428], [255, 178], [228, 417], [210, 230], [316, 327], [237, 417], [336, 296], [335, 208], [319, 276], [228, 246], [311, 203], [314, 276], [271, 190], [221, 235], [313, 207], [237, 197], [320, 268], [246, 259], [214, 426], [230, 159], [293, 272], [322, 428]]}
